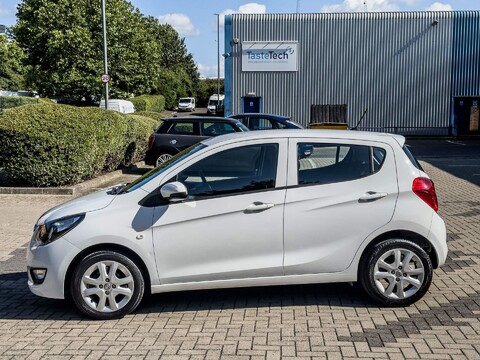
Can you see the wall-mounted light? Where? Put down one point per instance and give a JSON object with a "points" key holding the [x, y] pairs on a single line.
{"points": [[226, 55], [251, 94], [236, 40], [434, 22]]}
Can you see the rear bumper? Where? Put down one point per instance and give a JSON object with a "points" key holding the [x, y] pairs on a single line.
{"points": [[150, 157], [438, 238]]}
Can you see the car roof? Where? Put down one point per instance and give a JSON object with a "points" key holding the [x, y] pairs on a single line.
{"points": [[273, 116], [307, 134], [201, 118]]}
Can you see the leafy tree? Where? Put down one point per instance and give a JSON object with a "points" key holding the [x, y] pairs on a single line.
{"points": [[63, 42], [11, 66], [179, 76], [206, 88]]}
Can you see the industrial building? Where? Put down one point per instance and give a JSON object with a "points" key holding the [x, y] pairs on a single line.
{"points": [[413, 73]]}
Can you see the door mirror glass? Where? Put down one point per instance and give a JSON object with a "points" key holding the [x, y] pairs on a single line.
{"points": [[174, 191]]}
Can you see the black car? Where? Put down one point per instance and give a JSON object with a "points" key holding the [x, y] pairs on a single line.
{"points": [[257, 121], [177, 134]]}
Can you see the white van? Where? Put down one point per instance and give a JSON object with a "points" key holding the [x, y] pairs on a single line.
{"points": [[215, 104], [186, 104], [122, 106]]}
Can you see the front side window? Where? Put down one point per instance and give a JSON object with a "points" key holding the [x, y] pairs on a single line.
{"points": [[331, 163], [260, 124], [233, 171], [216, 128], [183, 128]]}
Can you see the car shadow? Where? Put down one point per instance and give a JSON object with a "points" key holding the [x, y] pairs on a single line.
{"points": [[17, 302]]}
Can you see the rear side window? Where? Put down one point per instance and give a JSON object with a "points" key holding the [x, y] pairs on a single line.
{"points": [[330, 163], [410, 156]]}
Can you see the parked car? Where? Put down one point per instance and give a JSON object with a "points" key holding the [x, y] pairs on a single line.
{"points": [[176, 134], [215, 105], [248, 209], [122, 106], [258, 121], [186, 104]]}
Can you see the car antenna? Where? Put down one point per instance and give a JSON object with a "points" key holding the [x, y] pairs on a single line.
{"points": [[359, 121]]}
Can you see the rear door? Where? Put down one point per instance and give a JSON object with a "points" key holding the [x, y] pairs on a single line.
{"points": [[181, 135], [339, 192]]}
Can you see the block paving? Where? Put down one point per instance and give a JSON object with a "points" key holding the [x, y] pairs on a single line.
{"points": [[332, 321]]}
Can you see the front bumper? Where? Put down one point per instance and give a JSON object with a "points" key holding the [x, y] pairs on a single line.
{"points": [[55, 257]]}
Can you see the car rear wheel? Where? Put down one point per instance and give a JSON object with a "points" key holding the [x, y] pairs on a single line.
{"points": [[163, 158], [396, 273], [107, 285]]}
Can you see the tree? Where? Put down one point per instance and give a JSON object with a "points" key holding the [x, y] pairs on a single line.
{"points": [[179, 75], [206, 88], [11, 67], [63, 43]]}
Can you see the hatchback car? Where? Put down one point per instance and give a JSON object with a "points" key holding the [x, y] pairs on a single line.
{"points": [[177, 134], [259, 121], [248, 209]]}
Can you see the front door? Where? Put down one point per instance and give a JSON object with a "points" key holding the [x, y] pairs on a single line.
{"points": [[339, 193], [231, 225], [251, 104]]}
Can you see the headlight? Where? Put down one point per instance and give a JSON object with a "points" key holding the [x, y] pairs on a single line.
{"points": [[52, 230]]}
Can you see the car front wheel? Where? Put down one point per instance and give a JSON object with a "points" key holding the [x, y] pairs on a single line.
{"points": [[107, 285], [396, 273]]}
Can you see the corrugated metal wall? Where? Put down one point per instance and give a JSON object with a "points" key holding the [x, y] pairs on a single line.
{"points": [[466, 54], [398, 65]]}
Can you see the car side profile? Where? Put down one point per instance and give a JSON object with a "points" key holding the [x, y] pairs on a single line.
{"points": [[248, 209], [177, 134], [258, 121]]}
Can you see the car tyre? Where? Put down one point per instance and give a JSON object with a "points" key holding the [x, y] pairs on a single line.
{"points": [[396, 272], [107, 285], [162, 158]]}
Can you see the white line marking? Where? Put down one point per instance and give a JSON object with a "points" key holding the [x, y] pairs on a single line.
{"points": [[455, 142]]}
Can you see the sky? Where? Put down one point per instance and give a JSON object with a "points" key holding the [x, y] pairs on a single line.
{"points": [[195, 20]]}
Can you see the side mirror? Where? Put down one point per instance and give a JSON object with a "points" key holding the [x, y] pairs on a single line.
{"points": [[174, 191]]}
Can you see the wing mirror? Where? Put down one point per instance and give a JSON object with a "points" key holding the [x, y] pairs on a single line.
{"points": [[174, 191]]}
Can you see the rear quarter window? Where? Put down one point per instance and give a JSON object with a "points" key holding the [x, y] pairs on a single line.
{"points": [[412, 158]]}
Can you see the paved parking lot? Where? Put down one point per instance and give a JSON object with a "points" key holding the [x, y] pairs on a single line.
{"points": [[311, 322]]}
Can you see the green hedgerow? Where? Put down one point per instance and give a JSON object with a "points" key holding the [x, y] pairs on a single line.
{"points": [[149, 103], [49, 144]]}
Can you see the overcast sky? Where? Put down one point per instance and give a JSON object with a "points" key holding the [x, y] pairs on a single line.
{"points": [[195, 19]]}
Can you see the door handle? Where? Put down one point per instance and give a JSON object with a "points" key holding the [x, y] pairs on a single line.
{"points": [[258, 206], [372, 196]]}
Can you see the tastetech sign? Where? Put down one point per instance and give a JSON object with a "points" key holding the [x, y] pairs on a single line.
{"points": [[269, 56]]}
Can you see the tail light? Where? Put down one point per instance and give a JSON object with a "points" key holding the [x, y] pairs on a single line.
{"points": [[151, 139], [425, 189]]}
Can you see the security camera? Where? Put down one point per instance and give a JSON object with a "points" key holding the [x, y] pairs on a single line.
{"points": [[236, 40]]}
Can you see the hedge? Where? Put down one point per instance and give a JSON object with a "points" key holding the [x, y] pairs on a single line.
{"points": [[149, 103], [152, 115], [50, 145], [140, 128], [7, 102]]}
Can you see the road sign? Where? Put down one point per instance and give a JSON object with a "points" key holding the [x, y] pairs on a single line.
{"points": [[106, 78]]}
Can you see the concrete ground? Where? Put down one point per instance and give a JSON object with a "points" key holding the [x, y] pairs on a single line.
{"points": [[317, 321]]}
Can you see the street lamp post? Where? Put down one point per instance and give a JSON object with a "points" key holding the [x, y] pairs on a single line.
{"points": [[105, 64], [218, 58]]}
